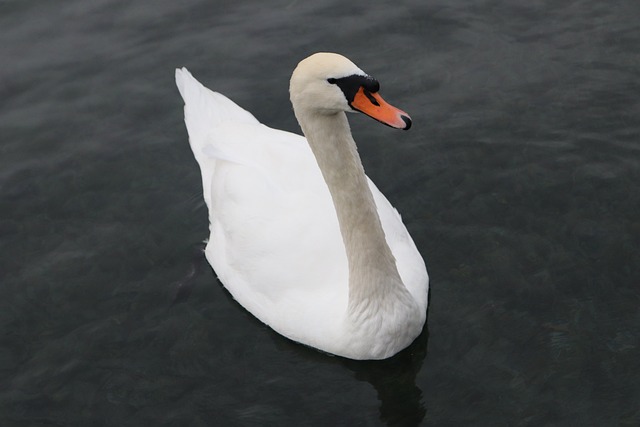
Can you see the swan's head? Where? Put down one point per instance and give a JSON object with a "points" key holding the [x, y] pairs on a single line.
{"points": [[328, 83]]}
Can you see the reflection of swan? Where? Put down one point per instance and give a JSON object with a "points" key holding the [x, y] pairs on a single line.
{"points": [[317, 253]]}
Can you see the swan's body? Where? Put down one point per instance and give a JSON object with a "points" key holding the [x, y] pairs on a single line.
{"points": [[316, 253]]}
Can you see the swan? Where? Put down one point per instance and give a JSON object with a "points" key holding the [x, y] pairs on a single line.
{"points": [[299, 235]]}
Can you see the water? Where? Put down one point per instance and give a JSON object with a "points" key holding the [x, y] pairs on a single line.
{"points": [[518, 181]]}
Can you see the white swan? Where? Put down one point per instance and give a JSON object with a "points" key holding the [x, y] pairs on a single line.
{"points": [[299, 235]]}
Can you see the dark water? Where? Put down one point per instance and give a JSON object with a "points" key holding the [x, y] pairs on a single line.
{"points": [[518, 181]]}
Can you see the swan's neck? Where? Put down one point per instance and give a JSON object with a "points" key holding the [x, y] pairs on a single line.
{"points": [[372, 268]]}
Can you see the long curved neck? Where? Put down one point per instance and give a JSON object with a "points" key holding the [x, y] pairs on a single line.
{"points": [[372, 267]]}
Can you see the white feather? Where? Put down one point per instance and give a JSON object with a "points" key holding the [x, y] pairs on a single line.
{"points": [[275, 239]]}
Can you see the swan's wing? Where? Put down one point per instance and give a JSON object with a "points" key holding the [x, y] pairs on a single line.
{"points": [[272, 220], [204, 111], [275, 241], [410, 263], [273, 214]]}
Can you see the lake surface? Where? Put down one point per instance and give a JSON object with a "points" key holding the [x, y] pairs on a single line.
{"points": [[518, 181]]}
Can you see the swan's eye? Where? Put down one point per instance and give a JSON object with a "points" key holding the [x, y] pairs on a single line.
{"points": [[332, 80]]}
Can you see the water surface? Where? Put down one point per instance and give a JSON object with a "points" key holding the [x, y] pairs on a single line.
{"points": [[518, 181]]}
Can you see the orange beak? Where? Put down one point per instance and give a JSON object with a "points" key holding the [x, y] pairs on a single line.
{"points": [[374, 106]]}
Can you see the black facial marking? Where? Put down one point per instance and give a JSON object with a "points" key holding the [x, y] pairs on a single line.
{"points": [[351, 84]]}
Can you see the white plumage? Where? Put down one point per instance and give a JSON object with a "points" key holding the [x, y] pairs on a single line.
{"points": [[276, 242]]}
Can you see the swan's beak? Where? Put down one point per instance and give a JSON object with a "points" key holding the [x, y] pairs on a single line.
{"points": [[374, 106]]}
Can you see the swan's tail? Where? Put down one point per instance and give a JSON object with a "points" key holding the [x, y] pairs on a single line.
{"points": [[204, 112], [204, 108]]}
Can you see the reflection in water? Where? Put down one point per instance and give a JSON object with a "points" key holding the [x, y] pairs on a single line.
{"points": [[395, 381]]}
